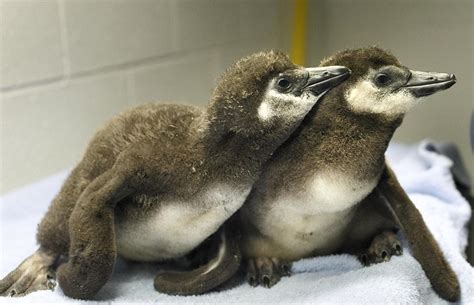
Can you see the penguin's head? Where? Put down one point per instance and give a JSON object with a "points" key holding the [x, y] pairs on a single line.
{"points": [[380, 85], [267, 92]]}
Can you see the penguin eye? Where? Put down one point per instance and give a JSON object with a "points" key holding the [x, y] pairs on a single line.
{"points": [[382, 79], [284, 83]]}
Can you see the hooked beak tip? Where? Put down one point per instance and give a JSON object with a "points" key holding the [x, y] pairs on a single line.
{"points": [[427, 83]]}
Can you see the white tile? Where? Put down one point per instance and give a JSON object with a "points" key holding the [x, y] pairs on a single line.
{"points": [[30, 46], [259, 19], [105, 33], [189, 79], [206, 22], [46, 130]]}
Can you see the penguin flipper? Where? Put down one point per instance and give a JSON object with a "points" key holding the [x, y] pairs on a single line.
{"points": [[212, 274], [423, 245], [92, 252]]}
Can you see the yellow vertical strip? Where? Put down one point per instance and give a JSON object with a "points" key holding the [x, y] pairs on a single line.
{"points": [[298, 46]]}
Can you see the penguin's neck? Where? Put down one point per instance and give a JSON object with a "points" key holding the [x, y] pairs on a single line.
{"points": [[238, 156], [354, 143]]}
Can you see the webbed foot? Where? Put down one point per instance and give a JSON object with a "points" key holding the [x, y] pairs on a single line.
{"points": [[34, 273], [266, 271], [382, 248]]}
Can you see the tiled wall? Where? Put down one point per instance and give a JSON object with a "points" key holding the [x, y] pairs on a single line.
{"points": [[66, 66]]}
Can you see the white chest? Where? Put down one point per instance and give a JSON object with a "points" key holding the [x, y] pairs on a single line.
{"points": [[314, 219], [334, 191], [176, 228]]}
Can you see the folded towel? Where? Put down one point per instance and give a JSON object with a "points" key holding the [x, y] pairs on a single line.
{"points": [[423, 173]]}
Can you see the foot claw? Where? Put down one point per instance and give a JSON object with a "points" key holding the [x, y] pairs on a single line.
{"points": [[51, 284], [266, 281], [285, 269], [251, 273], [252, 281], [397, 249], [364, 259]]}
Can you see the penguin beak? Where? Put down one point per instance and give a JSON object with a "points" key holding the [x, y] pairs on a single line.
{"points": [[322, 79], [426, 83]]}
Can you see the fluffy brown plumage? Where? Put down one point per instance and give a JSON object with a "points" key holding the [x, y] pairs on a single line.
{"points": [[336, 138], [316, 195], [361, 60], [159, 179]]}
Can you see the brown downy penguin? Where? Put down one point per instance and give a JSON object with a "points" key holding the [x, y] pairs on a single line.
{"points": [[159, 179], [309, 199]]}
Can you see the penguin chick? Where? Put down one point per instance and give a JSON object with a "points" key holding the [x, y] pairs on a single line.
{"points": [[308, 199], [159, 179]]}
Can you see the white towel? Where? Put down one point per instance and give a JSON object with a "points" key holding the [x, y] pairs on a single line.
{"points": [[331, 279]]}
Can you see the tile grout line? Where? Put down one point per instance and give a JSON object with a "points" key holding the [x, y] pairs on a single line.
{"points": [[128, 66]]}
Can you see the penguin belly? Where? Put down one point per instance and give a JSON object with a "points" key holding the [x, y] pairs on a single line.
{"points": [[314, 220], [176, 227]]}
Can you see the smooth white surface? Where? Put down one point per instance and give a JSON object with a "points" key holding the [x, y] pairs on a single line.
{"points": [[323, 280]]}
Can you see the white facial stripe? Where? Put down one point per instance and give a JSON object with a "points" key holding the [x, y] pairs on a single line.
{"points": [[272, 93], [277, 104], [366, 97], [265, 111]]}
